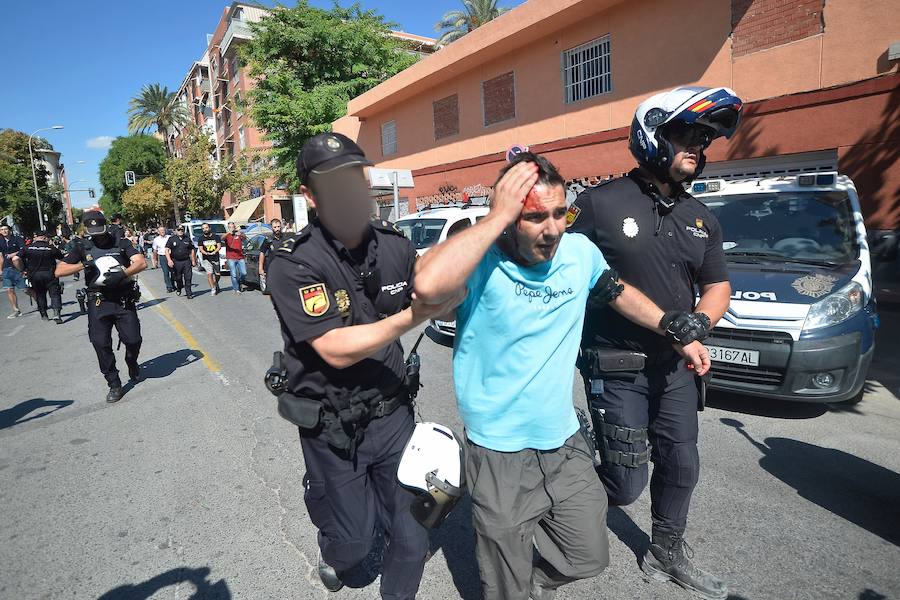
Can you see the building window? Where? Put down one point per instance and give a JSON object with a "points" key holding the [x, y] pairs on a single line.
{"points": [[235, 67], [446, 116], [388, 138], [242, 142], [587, 70], [498, 98]]}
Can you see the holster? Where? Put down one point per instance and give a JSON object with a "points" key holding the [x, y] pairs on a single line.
{"points": [[597, 361], [302, 412]]}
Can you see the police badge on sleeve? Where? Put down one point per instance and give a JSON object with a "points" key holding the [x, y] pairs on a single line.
{"points": [[314, 299]]}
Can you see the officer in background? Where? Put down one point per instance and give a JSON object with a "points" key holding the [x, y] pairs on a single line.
{"points": [[666, 243], [266, 249], [40, 263], [109, 266], [115, 227], [342, 291], [181, 257]]}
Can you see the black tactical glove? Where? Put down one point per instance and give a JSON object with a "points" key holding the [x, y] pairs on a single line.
{"points": [[605, 291], [114, 279], [684, 328]]}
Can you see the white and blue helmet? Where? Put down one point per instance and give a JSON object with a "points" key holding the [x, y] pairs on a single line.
{"points": [[718, 109]]}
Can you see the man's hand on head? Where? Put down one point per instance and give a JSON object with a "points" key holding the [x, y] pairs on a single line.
{"points": [[510, 192]]}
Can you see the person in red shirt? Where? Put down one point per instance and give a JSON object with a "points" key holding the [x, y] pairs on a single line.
{"points": [[234, 254]]}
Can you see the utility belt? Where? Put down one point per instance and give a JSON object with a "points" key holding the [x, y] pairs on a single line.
{"points": [[127, 297], [342, 416]]}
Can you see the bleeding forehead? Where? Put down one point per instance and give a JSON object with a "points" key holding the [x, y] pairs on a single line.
{"points": [[544, 197]]}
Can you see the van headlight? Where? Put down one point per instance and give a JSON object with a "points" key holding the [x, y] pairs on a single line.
{"points": [[836, 308]]}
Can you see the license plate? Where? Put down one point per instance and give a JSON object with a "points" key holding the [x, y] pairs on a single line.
{"points": [[735, 356]]}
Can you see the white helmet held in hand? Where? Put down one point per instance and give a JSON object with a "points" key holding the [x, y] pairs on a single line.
{"points": [[433, 463], [106, 265]]}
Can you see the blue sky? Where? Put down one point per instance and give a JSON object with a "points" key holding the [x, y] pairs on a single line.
{"points": [[77, 64]]}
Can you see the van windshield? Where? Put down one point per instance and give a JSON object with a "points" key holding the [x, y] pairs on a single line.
{"points": [[423, 233], [809, 227]]}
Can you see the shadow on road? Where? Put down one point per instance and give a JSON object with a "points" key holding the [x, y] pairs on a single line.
{"points": [[628, 531], [204, 590], [866, 494], [20, 412], [166, 364], [149, 303], [456, 539]]}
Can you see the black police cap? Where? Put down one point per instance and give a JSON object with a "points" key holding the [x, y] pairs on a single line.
{"points": [[328, 152], [94, 222]]}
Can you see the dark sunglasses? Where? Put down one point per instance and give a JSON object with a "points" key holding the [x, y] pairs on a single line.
{"points": [[690, 135]]}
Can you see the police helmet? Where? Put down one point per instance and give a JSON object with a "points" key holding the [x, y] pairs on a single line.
{"points": [[433, 464], [710, 112], [105, 266], [94, 223]]}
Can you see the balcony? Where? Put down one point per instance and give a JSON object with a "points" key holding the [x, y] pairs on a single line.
{"points": [[237, 29]]}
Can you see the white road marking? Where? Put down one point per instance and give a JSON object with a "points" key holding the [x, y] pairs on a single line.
{"points": [[15, 331]]}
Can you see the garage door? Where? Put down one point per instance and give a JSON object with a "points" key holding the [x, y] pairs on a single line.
{"points": [[772, 166]]}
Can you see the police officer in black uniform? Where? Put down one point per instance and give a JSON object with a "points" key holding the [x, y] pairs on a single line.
{"points": [[182, 257], [40, 263], [115, 227], [342, 290], [266, 249], [109, 266], [668, 244]]}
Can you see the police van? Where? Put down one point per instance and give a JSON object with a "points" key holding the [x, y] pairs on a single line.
{"points": [[801, 322]]}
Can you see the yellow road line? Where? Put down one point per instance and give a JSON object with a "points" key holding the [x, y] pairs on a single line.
{"points": [[192, 342]]}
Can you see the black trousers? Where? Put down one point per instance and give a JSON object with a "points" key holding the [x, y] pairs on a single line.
{"points": [[43, 282], [183, 274], [663, 400], [101, 320], [347, 499]]}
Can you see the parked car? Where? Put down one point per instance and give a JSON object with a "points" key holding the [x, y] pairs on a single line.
{"points": [[802, 319], [252, 245]]}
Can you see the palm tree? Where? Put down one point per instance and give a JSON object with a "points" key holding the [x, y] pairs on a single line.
{"points": [[156, 107], [457, 23]]}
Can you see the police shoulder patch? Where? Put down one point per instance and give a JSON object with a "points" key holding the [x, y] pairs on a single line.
{"points": [[314, 299], [571, 215]]}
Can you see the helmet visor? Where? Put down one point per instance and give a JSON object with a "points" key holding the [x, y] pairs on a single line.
{"points": [[431, 508], [689, 134]]}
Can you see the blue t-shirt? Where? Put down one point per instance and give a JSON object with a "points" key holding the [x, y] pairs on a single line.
{"points": [[517, 337]]}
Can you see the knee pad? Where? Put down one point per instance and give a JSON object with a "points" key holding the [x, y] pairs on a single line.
{"points": [[678, 464]]}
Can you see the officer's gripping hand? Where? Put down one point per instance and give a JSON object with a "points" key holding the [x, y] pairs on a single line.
{"points": [[684, 328], [605, 291], [115, 279], [422, 312], [510, 192], [696, 356]]}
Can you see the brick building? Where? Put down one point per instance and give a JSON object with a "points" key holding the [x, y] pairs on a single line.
{"points": [[819, 81], [216, 90]]}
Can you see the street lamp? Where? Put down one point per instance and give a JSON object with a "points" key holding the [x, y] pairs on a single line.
{"points": [[37, 200]]}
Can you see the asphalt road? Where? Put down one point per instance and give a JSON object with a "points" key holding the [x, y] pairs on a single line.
{"points": [[190, 487]]}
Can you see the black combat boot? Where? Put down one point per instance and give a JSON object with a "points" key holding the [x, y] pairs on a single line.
{"points": [[329, 577], [44, 317], [669, 559], [115, 394]]}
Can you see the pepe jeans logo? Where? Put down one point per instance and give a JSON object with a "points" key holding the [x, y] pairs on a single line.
{"points": [[545, 294]]}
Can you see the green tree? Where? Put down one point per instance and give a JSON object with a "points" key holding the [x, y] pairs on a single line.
{"points": [[16, 185], [457, 23], [156, 107], [147, 202], [143, 154], [308, 63], [198, 183]]}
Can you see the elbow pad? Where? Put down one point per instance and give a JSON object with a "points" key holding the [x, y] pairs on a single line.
{"points": [[606, 290]]}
